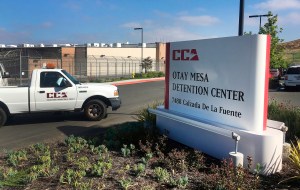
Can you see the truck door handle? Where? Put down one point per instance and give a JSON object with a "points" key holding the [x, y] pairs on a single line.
{"points": [[41, 91]]}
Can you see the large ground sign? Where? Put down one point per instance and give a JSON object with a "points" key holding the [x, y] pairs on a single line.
{"points": [[223, 80], [219, 87]]}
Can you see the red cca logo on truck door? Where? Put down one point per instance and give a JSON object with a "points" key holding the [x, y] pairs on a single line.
{"points": [[57, 95], [185, 55]]}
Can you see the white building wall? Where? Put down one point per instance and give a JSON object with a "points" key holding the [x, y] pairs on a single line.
{"points": [[122, 52]]}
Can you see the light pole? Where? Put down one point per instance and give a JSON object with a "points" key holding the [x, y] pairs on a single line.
{"points": [[253, 16], [241, 18], [141, 45]]}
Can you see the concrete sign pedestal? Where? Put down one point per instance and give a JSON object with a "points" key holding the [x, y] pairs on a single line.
{"points": [[215, 88], [265, 148]]}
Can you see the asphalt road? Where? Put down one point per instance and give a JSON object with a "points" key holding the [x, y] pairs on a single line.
{"points": [[291, 97], [24, 130]]}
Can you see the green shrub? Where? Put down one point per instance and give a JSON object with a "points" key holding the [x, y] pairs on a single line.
{"points": [[180, 182], [14, 178], [126, 151], [162, 175], [154, 74], [295, 160], [15, 157], [39, 148], [146, 159], [288, 114], [149, 74], [295, 156], [139, 169], [127, 133], [229, 177], [37, 171], [138, 75], [83, 163], [149, 119], [72, 177], [76, 144], [178, 159], [101, 168], [196, 160], [125, 183], [133, 132]]}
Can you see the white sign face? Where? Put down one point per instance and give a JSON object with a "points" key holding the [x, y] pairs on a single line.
{"points": [[223, 80]]}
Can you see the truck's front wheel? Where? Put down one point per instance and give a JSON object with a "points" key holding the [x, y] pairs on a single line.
{"points": [[3, 117], [95, 110]]}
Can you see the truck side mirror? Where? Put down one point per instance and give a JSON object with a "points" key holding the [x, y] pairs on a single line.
{"points": [[65, 83], [62, 82], [5, 75]]}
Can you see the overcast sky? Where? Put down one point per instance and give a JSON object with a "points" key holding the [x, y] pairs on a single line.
{"points": [[109, 21]]}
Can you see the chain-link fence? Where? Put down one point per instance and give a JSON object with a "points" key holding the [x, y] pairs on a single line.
{"points": [[84, 68]]}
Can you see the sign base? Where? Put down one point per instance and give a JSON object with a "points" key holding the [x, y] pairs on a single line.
{"points": [[265, 148]]}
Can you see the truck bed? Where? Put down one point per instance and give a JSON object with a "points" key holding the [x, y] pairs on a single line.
{"points": [[16, 98]]}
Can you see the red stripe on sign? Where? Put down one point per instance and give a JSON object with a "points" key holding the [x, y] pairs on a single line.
{"points": [[267, 82], [167, 76]]}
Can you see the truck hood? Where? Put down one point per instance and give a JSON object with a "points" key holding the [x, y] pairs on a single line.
{"points": [[97, 86]]}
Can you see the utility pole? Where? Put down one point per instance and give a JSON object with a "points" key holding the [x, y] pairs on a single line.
{"points": [[141, 45], [253, 16]]}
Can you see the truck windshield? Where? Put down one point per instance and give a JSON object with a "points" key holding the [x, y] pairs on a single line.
{"points": [[74, 80]]}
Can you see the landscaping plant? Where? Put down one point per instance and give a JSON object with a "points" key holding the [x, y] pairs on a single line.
{"points": [[135, 156], [288, 114], [295, 160]]}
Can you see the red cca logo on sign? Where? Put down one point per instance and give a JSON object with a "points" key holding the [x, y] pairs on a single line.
{"points": [[57, 95], [185, 55]]}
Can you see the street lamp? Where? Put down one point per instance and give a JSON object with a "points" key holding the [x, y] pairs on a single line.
{"points": [[241, 18], [141, 44], [253, 16]]}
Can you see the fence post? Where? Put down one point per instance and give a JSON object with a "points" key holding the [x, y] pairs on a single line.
{"points": [[116, 71], [21, 66]]}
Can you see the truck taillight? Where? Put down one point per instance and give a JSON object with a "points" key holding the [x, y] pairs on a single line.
{"points": [[116, 93], [286, 77]]}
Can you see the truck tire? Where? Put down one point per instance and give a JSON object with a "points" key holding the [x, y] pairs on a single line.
{"points": [[3, 117], [95, 110]]}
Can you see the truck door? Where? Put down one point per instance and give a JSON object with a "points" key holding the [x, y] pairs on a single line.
{"points": [[54, 93]]}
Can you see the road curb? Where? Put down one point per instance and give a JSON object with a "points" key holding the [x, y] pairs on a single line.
{"points": [[136, 81]]}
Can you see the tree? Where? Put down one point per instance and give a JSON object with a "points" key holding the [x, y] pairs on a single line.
{"points": [[277, 50], [147, 64]]}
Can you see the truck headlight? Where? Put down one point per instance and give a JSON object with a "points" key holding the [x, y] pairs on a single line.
{"points": [[116, 93]]}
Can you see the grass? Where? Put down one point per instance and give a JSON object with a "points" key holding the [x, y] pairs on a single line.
{"points": [[292, 56], [288, 114]]}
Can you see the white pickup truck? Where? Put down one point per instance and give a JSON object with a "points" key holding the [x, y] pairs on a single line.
{"points": [[53, 90]]}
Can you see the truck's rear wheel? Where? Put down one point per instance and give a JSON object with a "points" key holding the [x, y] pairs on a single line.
{"points": [[3, 117], [95, 110]]}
